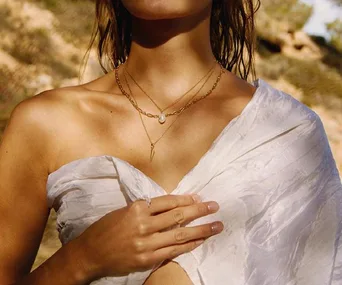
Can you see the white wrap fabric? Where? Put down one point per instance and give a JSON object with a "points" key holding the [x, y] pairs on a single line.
{"points": [[272, 172]]}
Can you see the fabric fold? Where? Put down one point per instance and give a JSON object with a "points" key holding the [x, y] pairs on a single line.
{"points": [[273, 174]]}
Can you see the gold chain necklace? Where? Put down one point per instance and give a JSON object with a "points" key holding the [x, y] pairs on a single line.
{"points": [[162, 117], [152, 151]]}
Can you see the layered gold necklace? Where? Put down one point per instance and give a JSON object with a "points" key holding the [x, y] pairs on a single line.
{"points": [[162, 116]]}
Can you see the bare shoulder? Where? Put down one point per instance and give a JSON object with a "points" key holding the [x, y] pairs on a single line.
{"points": [[35, 122], [236, 93], [39, 110], [28, 142]]}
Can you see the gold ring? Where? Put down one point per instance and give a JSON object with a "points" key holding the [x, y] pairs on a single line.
{"points": [[148, 201]]}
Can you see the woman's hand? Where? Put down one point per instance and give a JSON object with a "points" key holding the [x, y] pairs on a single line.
{"points": [[137, 237]]}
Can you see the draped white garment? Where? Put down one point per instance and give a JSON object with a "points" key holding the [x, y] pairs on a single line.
{"points": [[272, 172]]}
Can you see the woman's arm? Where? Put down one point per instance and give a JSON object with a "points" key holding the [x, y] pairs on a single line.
{"points": [[66, 266], [23, 205]]}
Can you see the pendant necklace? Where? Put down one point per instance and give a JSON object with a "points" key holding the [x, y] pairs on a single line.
{"points": [[178, 112], [162, 117]]}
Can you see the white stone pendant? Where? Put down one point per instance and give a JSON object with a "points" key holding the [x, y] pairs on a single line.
{"points": [[162, 118]]}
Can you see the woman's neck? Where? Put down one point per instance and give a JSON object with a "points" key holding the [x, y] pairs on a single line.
{"points": [[171, 55]]}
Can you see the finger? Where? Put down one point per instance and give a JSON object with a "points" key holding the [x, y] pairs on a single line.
{"points": [[169, 202], [172, 252], [183, 235], [181, 215]]}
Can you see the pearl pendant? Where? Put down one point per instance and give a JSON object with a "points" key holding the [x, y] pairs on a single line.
{"points": [[162, 118]]}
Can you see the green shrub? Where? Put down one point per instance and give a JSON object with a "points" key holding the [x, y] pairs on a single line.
{"points": [[32, 47], [75, 17], [5, 13], [335, 30], [292, 12], [35, 47], [318, 81], [12, 90]]}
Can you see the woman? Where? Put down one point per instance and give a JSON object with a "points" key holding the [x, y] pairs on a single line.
{"points": [[254, 189]]}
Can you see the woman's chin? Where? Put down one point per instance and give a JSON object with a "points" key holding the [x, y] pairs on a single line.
{"points": [[164, 9], [159, 16]]}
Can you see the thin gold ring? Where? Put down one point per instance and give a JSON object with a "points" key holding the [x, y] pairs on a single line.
{"points": [[148, 201]]}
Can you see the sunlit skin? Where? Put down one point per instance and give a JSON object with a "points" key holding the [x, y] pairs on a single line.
{"points": [[170, 52]]}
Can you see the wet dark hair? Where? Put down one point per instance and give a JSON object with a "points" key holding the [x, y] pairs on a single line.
{"points": [[232, 34]]}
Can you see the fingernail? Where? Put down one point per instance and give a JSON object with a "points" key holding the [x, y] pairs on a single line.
{"points": [[217, 227], [196, 198], [213, 206]]}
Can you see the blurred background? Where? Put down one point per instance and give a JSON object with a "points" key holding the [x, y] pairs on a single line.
{"points": [[42, 44]]}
